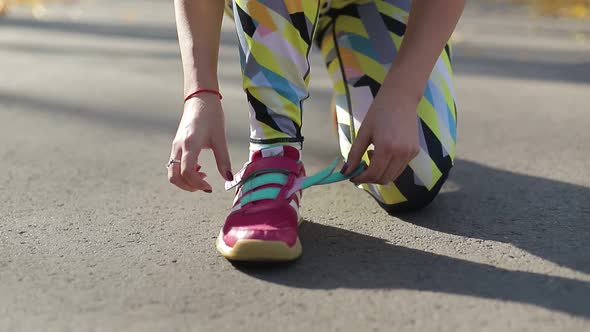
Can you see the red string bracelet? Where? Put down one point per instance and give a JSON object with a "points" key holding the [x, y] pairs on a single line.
{"points": [[215, 92]]}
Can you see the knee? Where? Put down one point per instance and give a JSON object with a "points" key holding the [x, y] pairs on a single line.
{"points": [[418, 198]]}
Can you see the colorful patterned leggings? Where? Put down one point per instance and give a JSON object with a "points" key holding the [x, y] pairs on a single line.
{"points": [[358, 40]]}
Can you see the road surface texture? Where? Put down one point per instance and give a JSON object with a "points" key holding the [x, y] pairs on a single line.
{"points": [[93, 238]]}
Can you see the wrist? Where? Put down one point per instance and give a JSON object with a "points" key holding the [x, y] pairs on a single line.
{"points": [[398, 92], [202, 92], [198, 77], [191, 85], [200, 104], [402, 86]]}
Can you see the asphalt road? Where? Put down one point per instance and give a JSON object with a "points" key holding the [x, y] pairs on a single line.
{"points": [[92, 237]]}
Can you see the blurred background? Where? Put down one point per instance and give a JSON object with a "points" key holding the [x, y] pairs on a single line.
{"points": [[92, 237], [557, 8]]}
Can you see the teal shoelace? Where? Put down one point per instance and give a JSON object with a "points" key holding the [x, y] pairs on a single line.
{"points": [[277, 176]]}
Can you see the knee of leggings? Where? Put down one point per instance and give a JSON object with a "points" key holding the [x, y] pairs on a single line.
{"points": [[418, 200]]}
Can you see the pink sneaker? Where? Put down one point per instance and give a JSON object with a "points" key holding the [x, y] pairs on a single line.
{"points": [[263, 222]]}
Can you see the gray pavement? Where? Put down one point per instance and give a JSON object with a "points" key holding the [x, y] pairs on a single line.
{"points": [[93, 238]]}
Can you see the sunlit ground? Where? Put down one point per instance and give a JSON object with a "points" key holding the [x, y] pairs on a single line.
{"points": [[565, 8], [579, 9], [37, 6]]}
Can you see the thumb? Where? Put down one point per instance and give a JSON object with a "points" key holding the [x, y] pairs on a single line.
{"points": [[355, 155], [221, 153]]}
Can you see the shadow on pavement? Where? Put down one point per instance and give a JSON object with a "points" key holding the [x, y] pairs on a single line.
{"points": [[116, 30], [539, 70], [166, 33], [548, 218], [544, 217], [85, 51]]}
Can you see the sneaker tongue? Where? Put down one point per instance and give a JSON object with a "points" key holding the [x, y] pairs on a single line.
{"points": [[281, 150], [275, 151]]}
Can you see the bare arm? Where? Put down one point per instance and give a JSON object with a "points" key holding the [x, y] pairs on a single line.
{"points": [[199, 25], [202, 125], [429, 28], [390, 124]]}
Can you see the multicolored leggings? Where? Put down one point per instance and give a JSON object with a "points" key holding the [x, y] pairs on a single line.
{"points": [[359, 40]]}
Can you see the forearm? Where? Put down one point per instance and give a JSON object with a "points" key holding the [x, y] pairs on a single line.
{"points": [[199, 26], [429, 28]]}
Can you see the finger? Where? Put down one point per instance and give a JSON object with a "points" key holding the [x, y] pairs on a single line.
{"points": [[188, 172], [399, 171], [178, 181], [357, 150], [174, 172], [377, 167], [396, 166], [221, 153], [400, 163], [403, 164]]}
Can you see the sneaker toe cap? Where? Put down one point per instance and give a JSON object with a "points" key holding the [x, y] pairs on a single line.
{"points": [[278, 223]]}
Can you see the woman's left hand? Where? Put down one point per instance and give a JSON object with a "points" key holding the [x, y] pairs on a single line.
{"points": [[391, 125]]}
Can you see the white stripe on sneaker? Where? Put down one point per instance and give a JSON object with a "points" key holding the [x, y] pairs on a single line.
{"points": [[272, 152], [296, 207]]}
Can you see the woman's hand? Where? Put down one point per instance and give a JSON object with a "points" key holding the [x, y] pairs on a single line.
{"points": [[202, 126], [391, 125]]}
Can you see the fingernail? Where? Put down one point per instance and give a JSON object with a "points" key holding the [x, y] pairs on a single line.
{"points": [[198, 168], [344, 168], [229, 176], [208, 191]]}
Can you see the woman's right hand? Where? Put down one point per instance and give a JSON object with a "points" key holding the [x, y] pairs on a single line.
{"points": [[202, 126]]}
